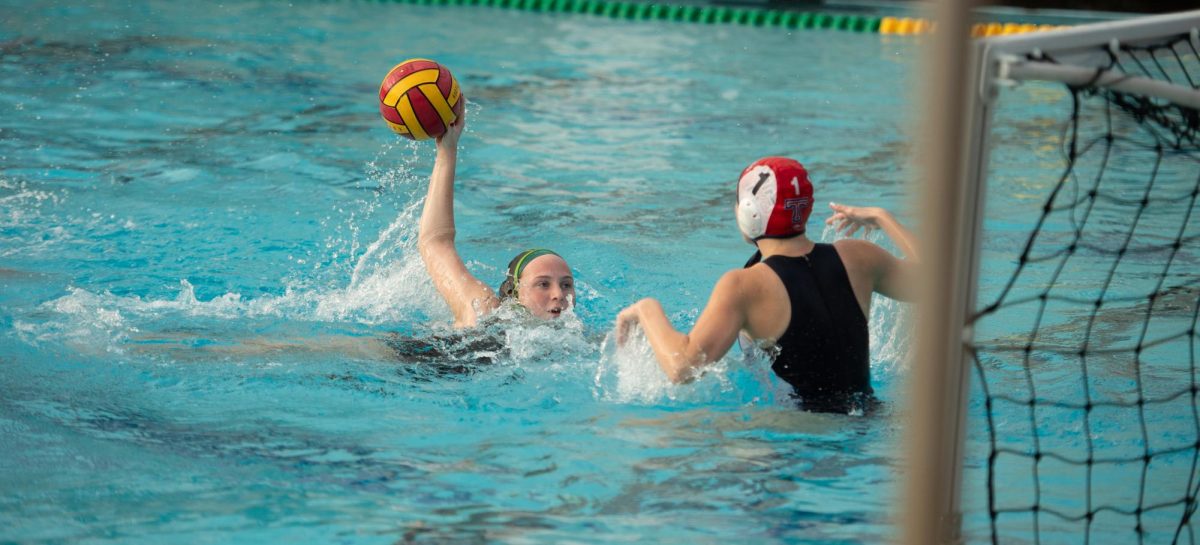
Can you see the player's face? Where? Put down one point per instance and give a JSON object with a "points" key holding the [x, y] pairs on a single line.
{"points": [[547, 287]]}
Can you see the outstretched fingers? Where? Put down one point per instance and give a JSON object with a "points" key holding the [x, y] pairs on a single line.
{"points": [[847, 220]]}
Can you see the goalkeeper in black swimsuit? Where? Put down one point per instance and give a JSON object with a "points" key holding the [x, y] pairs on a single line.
{"points": [[810, 300]]}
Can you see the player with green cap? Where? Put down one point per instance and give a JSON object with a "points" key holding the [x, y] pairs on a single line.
{"points": [[538, 279]]}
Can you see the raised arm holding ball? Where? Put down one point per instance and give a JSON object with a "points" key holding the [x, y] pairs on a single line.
{"points": [[420, 99], [810, 300], [538, 279]]}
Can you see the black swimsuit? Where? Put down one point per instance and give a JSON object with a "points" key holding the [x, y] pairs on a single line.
{"points": [[825, 352], [450, 354]]}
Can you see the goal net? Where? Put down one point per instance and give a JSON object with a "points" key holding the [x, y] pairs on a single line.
{"points": [[1083, 416]]}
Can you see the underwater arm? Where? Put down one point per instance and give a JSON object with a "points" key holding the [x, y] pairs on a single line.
{"points": [[467, 296], [679, 355]]}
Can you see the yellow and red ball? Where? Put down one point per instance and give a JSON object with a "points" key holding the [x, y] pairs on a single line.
{"points": [[419, 99]]}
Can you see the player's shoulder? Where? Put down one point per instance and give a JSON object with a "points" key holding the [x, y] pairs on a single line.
{"points": [[747, 284], [857, 252], [734, 284], [735, 279]]}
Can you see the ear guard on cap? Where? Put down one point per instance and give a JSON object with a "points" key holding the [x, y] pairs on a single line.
{"points": [[756, 198], [507, 289], [751, 222]]}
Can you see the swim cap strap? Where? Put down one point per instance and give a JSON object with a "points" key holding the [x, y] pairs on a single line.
{"points": [[512, 280]]}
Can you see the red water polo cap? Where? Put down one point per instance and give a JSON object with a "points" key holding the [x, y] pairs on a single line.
{"points": [[774, 199]]}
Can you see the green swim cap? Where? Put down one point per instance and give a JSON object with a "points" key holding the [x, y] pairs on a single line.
{"points": [[515, 267]]}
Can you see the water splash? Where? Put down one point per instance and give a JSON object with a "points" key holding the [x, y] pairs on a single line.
{"points": [[87, 321], [890, 329], [401, 181], [16, 198], [561, 342], [389, 282], [630, 374], [20, 211]]}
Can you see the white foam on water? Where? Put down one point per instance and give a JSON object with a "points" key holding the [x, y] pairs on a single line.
{"points": [[87, 320], [890, 328], [560, 343], [21, 198], [107, 320], [630, 373], [21, 208], [387, 280]]}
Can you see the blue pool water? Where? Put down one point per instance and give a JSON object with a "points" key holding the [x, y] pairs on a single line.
{"points": [[207, 227], [206, 230]]}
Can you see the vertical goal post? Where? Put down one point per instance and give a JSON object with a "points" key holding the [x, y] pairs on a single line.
{"points": [[961, 84]]}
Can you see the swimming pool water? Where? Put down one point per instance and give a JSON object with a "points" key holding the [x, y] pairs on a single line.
{"points": [[206, 225], [205, 230]]}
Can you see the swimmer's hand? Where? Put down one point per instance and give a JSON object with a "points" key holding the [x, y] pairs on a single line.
{"points": [[454, 131], [847, 220], [626, 321]]}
